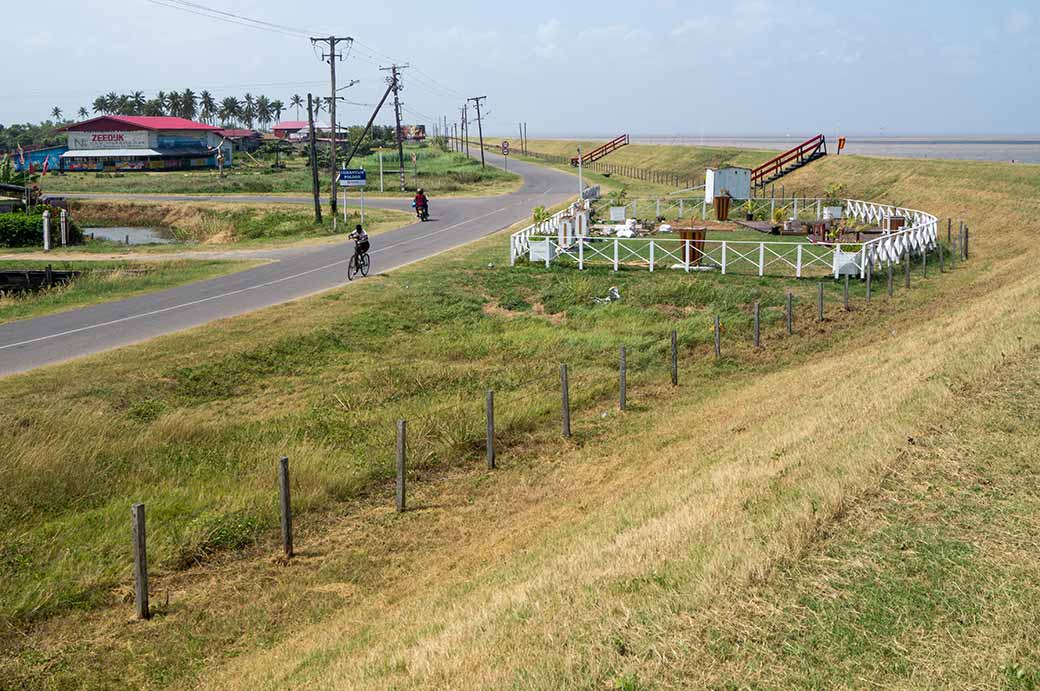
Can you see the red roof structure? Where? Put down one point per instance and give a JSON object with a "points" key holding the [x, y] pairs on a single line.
{"points": [[137, 122], [238, 134]]}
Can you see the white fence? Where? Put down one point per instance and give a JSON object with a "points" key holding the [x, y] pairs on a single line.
{"points": [[785, 258]]}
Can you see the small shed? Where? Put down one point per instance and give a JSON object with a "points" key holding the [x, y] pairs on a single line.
{"points": [[735, 181]]}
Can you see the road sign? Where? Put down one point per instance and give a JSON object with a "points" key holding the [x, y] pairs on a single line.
{"points": [[505, 148], [352, 177]]}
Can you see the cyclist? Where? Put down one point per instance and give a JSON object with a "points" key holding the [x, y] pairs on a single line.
{"points": [[361, 245]]}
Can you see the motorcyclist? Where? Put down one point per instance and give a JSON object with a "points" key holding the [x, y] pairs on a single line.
{"points": [[421, 203]]}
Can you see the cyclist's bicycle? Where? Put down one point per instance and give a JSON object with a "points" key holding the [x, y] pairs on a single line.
{"points": [[359, 264]]}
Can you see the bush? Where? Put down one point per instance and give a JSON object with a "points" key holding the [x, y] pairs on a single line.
{"points": [[26, 230]]}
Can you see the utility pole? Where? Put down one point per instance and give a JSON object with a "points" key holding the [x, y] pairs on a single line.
{"points": [[332, 56], [480, 128], [314, 159], [463, 139], [395, 86]]}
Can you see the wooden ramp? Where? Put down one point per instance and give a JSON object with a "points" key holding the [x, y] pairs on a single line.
{"points": [[801, 155], [599, 152]]}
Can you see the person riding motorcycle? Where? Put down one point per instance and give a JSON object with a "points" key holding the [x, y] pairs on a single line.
{"points": [[421, 204]]}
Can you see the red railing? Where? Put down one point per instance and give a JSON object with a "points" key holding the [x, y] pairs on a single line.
{"points": [[798, 153], [600, 152]]}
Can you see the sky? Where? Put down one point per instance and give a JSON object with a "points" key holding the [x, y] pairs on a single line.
{"points": [[657, 67]]}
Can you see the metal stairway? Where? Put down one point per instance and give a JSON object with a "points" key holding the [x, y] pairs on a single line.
{"points": [[801, 155]]}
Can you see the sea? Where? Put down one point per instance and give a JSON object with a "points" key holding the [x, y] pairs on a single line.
{"points": [[1025, 149]]}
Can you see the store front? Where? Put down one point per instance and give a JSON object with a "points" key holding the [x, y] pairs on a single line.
{"points": [[141, 143]]}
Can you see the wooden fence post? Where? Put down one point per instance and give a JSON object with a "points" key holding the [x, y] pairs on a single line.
{"points": [[490, 406], [566, 401], [718, 338], [924, 261], [758, 332], [967, 237], [285, 504], [819, 300], [140, 562], [675, 358], [890, 287], [845, 299], [790, 314], [949, 231], [942, 262], [906, 268], [401, 450], [623, 383]]}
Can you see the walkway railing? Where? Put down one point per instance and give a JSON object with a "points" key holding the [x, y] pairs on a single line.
{"points": [[783, 258]]}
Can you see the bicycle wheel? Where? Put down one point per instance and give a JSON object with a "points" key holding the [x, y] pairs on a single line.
{"points": [[365, 263], [352, 268]]}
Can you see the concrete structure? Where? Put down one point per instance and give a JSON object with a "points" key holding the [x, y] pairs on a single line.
{"points": [[140, 142], [34, 159]]}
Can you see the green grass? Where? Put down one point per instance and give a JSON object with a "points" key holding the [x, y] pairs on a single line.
{"points": [[440, 173], [586, 563], [102, 281]]}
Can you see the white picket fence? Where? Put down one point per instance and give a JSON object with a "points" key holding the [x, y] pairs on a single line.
{"points": [[784, 258]]}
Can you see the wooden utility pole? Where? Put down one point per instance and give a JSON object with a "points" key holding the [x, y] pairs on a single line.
{"points": [[314, 159], [480, 128], [332, 56], [395, 86]]}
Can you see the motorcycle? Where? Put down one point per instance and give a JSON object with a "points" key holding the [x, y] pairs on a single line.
{"points": [[422, 212]]}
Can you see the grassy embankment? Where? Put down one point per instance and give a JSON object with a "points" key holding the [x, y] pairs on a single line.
{"points": [[440, 173], [647, 552], [104, 281]]}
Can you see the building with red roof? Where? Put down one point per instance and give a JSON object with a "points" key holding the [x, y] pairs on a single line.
{"points": [[144, 142]]}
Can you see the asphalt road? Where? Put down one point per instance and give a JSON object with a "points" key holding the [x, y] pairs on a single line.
{"points": [[32, 343]]}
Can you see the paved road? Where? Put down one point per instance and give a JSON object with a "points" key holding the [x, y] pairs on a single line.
{"points": [[25, 345]]}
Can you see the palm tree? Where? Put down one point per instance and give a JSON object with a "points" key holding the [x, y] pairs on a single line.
{"points": [[83, 113], [263, 111], [56, 113], [277, 107], [152, 107], [124, 105], [138, 101], [228, 110], [160, 100], [173, 104], [209, 107], [111, 102], [296, 102], [189, 104], [100, 105], [248, 110]]}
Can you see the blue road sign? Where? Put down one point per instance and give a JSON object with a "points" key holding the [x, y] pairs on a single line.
{"points": [[352, 177]]}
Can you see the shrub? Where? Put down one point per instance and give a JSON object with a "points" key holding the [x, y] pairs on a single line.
{"points": [[26, 230]]}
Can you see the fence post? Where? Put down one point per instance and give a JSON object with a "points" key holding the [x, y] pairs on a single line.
{"points": [[949, 231], [64, 227], [761, 258], [906, 269], [967, 235], [615, 254], [401, 450], [718, 338], [819, 300], [286, 506], [890, 289], [845, 299], [790, 314], [924, 260], [566, 401], [140, 562], [581, 254], [675, 358], [758, 332], [651, 256], [680, 208], [46, 231], [490, 406], [623, 392], [870, 272], [942, 261], [723, 257]]}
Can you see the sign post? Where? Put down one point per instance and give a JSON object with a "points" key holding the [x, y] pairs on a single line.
{"points": [[353, 177], [505, 153]]}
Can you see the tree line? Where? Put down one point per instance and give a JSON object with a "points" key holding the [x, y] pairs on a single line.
{"points": [[249, 111]]}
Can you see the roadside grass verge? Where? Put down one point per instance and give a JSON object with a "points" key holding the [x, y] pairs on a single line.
{"points": [[103, 281], [592, 563], [440, 173]]}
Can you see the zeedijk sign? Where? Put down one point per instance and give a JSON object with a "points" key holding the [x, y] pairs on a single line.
{"points": [[108, 140]]}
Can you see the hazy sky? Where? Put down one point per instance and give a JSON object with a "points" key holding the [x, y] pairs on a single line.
{"points": [[664, 67]]}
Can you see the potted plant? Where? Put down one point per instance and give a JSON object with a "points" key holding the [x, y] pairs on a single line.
{"points": [[749, 211], [833, 208]]}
